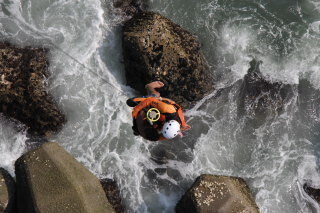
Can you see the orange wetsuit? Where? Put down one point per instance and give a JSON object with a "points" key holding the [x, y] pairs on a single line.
{"points": [[169, 111]]}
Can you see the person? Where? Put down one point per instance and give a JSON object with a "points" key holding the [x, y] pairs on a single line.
{"points": [[156, 118]]}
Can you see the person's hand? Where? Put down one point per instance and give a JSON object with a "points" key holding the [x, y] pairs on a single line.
{"points": [[155, 84], [186, 127], [152, 86]]}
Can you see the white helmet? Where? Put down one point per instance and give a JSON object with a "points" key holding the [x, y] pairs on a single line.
{"points": [[171, 129]]}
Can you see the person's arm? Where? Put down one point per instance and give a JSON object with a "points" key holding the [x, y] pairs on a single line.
{"points": [[184, 125]]}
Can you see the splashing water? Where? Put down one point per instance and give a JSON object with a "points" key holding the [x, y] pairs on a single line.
{"points": [[276, 156]]}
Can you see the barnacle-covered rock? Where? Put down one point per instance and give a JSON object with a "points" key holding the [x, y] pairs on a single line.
{"points": [[217, 194]]}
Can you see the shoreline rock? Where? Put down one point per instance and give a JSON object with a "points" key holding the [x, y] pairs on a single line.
{"points": [[212, 193], [23, 97], [155, 48], [112, 192], [131, 7], [7, 192], [50, 180]]}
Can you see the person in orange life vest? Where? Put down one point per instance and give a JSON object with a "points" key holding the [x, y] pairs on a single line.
{"points": [[170, 120]]}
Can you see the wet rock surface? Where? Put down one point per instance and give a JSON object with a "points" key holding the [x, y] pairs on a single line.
{"points": [[130, 7], [50, 180], [7, 192], [260, 97], [112, 192], [155, 48], [217, 194], [23, 96]]}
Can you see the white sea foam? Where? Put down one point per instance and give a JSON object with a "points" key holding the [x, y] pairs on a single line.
{"points": [[235, 42], [12, 145], [276, 158]]}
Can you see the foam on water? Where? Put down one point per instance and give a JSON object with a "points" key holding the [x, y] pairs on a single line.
{"points": [[12, 145], [308, 173], [275, 157], [97, 132], [267, 156]]}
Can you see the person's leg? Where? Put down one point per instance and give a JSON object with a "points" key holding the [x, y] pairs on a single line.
{"points": [[135, 128], [131, 102]]}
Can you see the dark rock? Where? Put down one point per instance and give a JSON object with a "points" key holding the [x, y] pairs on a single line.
{"points": [[217, 194], [130, 7], [7, 192], [50, 180], [23, 73], [262, 98], [155, 48], [312, 192], [112, 192]]}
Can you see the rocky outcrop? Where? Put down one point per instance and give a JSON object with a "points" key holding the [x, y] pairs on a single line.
{"points": [[217, 194], [50, 180], [112, 192], [7, 192], [155, 48], [260, 97], [23, 74]]}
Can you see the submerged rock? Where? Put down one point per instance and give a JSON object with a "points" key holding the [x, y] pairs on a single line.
{"points": [[170, 172], [161, 155], [217, 194], [50, 180], [7, 192], [260, 97], [23, 74], [312, 192], [155, 48], [112, 192]]}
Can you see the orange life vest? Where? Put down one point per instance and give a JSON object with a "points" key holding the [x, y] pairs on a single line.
{"points": [[164, 105]]}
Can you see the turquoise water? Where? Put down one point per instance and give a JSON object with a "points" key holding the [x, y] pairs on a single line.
{"points": [[275, 157]]}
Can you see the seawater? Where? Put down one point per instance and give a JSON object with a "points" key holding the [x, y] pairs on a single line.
{"points": [[87, 80]]}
